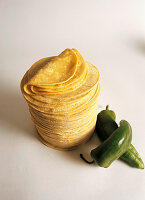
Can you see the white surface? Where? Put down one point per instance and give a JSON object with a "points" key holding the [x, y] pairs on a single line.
{"points": [[111, 35]]}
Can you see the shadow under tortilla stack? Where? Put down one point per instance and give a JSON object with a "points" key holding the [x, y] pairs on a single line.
{"points": [[62, 94]]}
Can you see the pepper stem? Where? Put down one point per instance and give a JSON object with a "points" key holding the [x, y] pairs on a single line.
{"points": [[107, 107], [89, 162]]}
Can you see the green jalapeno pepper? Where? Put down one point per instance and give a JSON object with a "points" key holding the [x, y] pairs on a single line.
{"points": [[105, 126], [114, 146]]}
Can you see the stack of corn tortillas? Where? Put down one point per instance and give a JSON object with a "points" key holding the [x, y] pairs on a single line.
{"points": [[62, 94]]}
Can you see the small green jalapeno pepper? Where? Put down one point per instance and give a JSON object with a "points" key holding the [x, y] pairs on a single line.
{"points": [[105, 126], [132, 157], [114, 146]]}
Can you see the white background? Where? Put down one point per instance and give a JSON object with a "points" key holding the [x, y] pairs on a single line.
{"points": [[111, 35]]}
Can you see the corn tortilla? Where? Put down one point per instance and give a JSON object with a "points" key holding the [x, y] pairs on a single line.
{"points": [[62, 94]]}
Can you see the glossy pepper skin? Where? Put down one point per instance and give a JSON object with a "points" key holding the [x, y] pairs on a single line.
{"points": [[114, 146], [105, 126]]}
